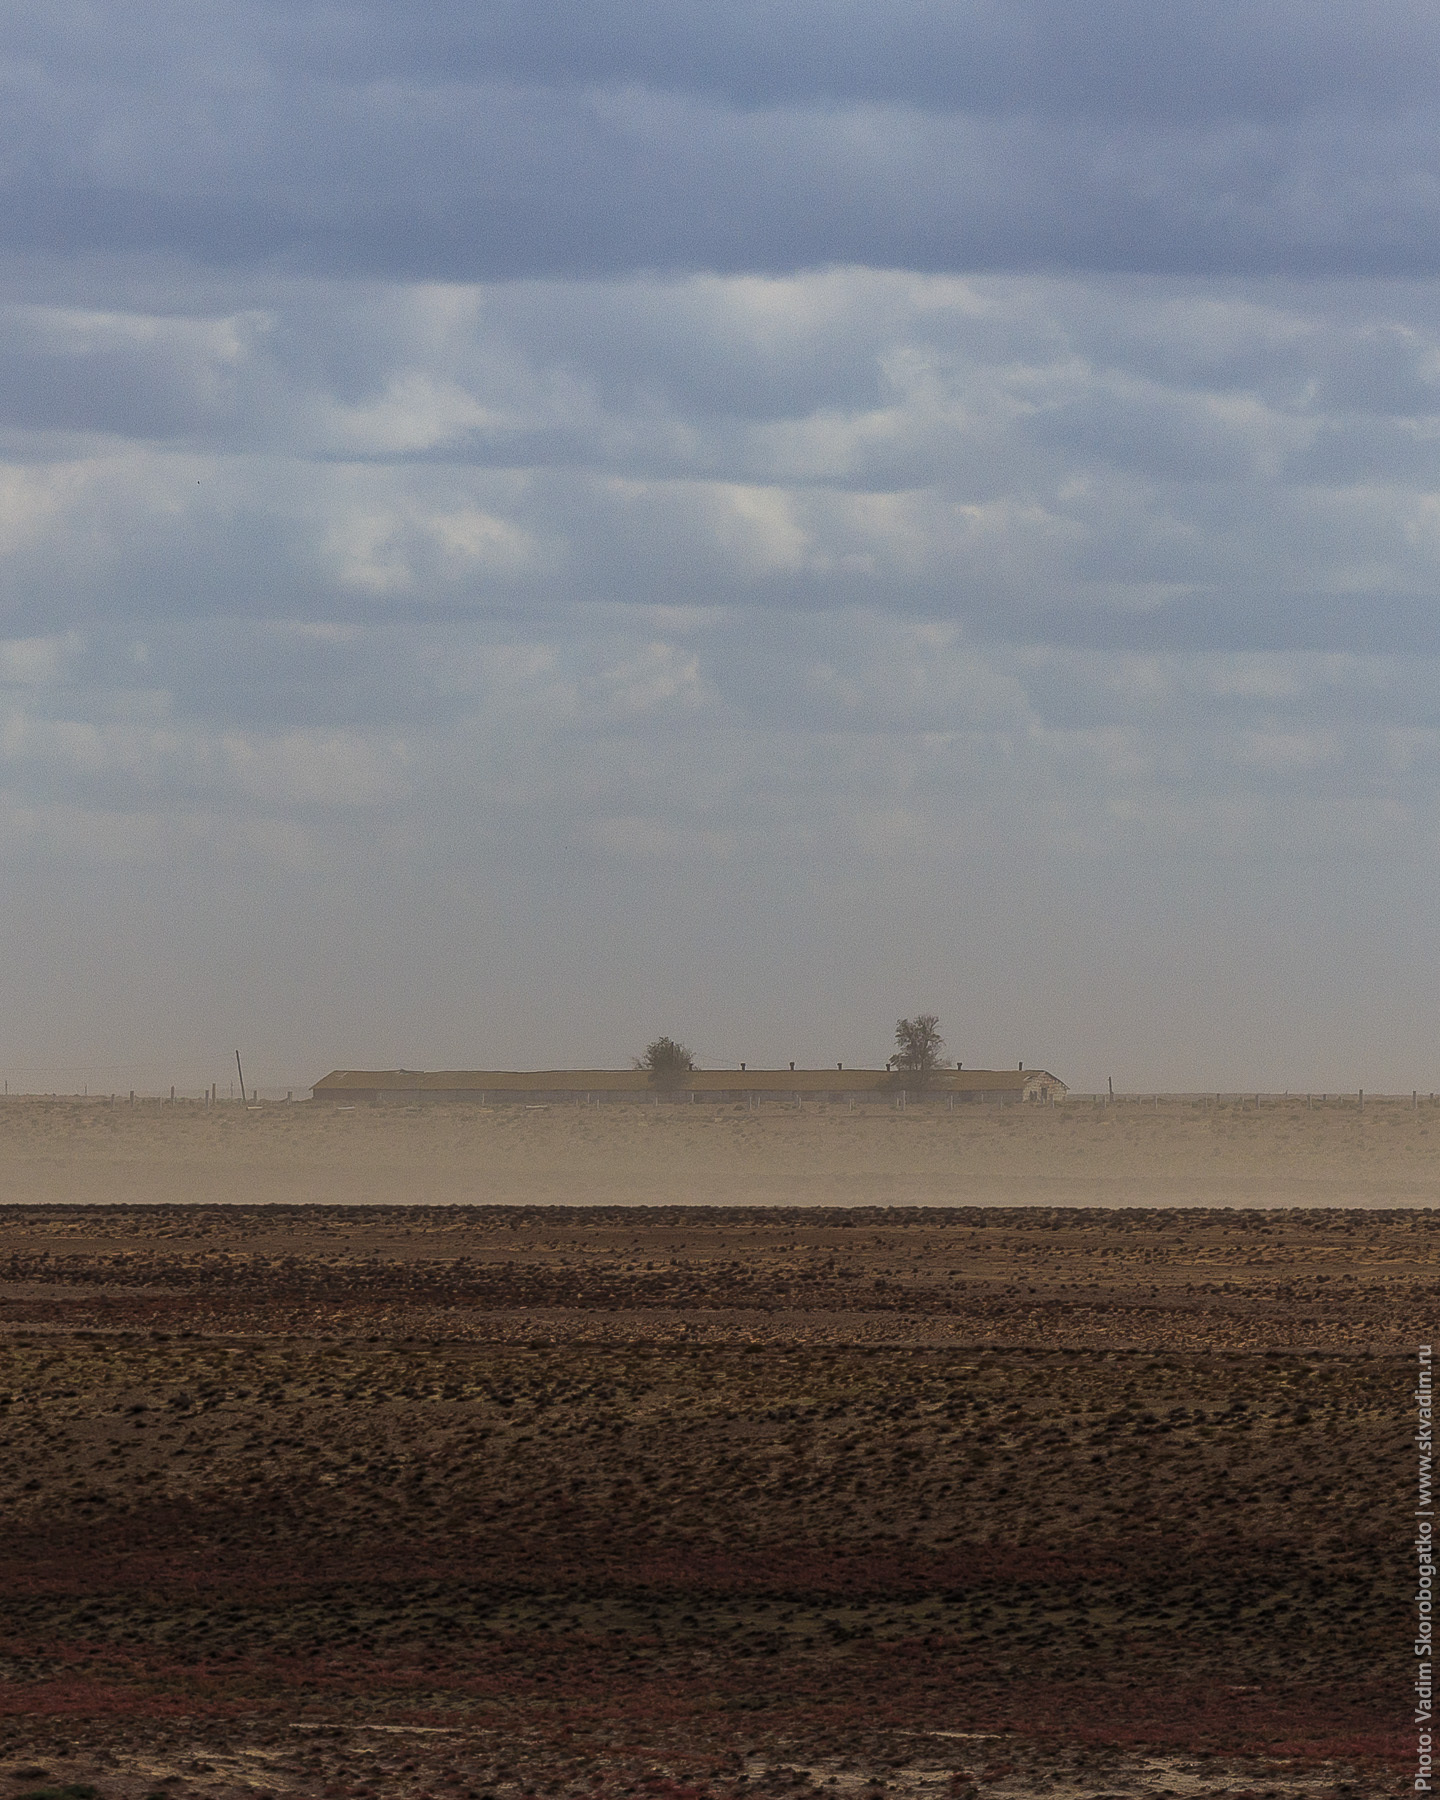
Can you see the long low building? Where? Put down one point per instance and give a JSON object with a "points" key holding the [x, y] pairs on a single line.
{"points": [[717, 1087]]}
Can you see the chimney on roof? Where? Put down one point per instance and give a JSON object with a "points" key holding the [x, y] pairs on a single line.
{"points": [[742, 1068], [839, 1065], [1022, 1068], [792, 1065]]}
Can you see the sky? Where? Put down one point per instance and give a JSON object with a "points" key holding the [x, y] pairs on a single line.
{"points": [[528, 526]]}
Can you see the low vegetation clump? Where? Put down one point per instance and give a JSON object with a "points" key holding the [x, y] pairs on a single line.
{"points": [[669, 1062]]}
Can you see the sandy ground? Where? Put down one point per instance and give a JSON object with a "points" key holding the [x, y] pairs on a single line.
{"points": [[700, 1455], [1079, 1154]]}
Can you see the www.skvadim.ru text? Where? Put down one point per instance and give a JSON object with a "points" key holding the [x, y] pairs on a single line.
{"points": [[1425, 1573]]}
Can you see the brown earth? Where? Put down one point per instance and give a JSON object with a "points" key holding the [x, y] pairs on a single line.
{"points": [[958, 1501]]}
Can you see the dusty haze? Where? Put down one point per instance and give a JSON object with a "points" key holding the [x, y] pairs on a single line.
{"points": [[1181, 1153]]}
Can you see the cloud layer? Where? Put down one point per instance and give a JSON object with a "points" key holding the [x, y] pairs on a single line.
{"points": [[461, 142], [525, 526], [601, 607], [1175, 464]]}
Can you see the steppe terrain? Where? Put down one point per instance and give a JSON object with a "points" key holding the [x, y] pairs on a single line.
{"points": [[1171, 1153], [1062, 1453]]}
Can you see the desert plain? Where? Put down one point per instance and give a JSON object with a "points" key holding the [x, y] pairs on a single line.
{"points": [[689, 1453]]}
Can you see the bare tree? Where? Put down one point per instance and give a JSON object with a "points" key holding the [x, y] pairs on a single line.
{"points": [[918, 1044], [667, 1061]]}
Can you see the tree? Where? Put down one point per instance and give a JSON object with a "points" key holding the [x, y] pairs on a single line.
{"points": [[918, 1044], [666, 1060]]}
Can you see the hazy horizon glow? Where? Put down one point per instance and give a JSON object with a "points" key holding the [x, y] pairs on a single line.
{"points": [[526, 527]]}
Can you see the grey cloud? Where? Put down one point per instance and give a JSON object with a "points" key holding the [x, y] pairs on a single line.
{"points": [[874, 734], [1007, 454], [964, 590], [621, 813], [498, 142], [458, 600], [1170, 438], [505, 182], [1368, 450], [1119, 57]]}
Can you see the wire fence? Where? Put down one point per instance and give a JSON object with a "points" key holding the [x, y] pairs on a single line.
{"points": [[1251, 1100], [190, 1093]]}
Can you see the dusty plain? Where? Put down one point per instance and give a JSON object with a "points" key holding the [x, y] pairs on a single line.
{"points": [[1080, 1154], [688, 1453]]}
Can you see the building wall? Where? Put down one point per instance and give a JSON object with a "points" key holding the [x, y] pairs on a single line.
{"points": [[710, 1088], [891, 1097]]}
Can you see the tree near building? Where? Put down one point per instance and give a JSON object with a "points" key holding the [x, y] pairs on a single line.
{"points": [[918, 1046], [668, 1061]]}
